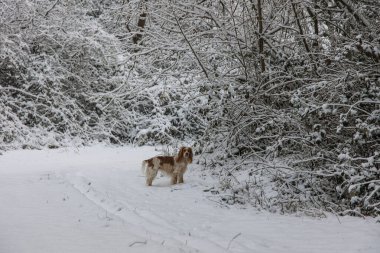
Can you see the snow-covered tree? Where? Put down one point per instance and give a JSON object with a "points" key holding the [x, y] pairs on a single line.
{"points": [[285, 93]]}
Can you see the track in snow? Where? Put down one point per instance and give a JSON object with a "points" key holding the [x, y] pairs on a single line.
{"points": [[94, 200]]}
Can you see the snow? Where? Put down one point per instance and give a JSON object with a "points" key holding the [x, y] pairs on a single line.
{"points": [[94, 200]]}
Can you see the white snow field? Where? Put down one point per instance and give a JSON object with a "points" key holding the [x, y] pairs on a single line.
{"points": [[95, 200]]}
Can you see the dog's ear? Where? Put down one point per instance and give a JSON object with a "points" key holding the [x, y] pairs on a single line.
{"points": [[180, 153], [191, 155]]}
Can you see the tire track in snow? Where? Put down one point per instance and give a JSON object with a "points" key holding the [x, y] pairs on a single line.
{"points": [[145, 222]]}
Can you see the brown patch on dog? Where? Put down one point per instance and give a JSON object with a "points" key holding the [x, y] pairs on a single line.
{"points": [[166, 159]]}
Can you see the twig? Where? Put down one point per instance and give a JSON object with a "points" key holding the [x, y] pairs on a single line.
{"points": [[191, 47], [138, 242], [47, 13], [353, 212], [233, 238], [218, 202], [336, 215]]}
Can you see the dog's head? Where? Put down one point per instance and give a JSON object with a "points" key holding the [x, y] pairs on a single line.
{"points": [[186, 153]]}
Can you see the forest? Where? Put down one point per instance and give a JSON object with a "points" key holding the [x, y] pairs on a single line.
{"points": [[280, 99]]}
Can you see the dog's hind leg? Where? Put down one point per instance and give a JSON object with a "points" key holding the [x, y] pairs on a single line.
{"points": [[143, 167], [151, 174]]}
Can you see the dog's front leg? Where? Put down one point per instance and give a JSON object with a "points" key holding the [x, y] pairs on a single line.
{"points": [[180, 178], [174, 178]]}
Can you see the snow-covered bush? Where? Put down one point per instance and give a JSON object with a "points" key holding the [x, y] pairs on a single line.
{"points": [[281, 96], [304, 133], [64, 78]]}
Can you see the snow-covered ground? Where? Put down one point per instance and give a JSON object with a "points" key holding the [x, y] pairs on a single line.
{"points": [[95, 200]]}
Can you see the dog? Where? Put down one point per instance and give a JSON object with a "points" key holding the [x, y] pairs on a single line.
{"points": [[173, 166]]}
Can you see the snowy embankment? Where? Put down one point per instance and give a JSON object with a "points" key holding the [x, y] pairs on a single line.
{"points": [[95, 200]]}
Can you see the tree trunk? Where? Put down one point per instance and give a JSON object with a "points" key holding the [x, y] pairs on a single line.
{"points": [[261, 39], [140, 24]]}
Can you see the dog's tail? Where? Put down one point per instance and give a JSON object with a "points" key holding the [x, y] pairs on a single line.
{"points": [[143, 166]]}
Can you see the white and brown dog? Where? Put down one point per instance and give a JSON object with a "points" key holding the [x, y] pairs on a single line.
{"points": [[173, 166]]}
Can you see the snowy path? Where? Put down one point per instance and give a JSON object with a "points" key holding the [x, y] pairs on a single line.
{"points": [[94, 200]]}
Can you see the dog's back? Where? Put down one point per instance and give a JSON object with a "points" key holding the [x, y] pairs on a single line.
{"points": [[165, 163]]}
